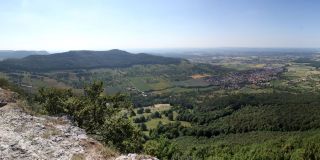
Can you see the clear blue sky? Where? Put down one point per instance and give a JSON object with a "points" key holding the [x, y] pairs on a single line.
{"points": [[123, 24]]}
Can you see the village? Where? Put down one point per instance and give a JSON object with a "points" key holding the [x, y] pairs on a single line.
{"points": [[236, 80]]}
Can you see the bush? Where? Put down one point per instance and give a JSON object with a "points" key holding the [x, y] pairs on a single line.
{"points": [[170, 116], [162, 148], [53, 100], [143, 126], [140, 111], [147, 110], [97, 113], [156, 115], [140, 119]]}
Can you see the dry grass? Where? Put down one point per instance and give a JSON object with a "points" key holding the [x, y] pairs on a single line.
{"points": [[78, 157], [51, 131], [57, 121], [95, 150], [199, 76]]}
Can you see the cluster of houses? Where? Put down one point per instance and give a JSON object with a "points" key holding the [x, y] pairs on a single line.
{"points": [[236, 80], [144, 94]]}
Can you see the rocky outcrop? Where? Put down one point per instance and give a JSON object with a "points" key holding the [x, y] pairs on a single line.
{"points": [[136, 157], [27, 137]]}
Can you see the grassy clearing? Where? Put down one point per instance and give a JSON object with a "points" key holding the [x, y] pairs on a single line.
{"points": [[192, 83], [199, 76], [149, 83], [152, 123]]}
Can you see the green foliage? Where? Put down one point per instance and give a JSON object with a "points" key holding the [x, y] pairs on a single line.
{"points": [[171, 130], [119, 132], [310, 62], [161, 148], [140, 119], [260, 145], [253, 112], [53, 100], [98, 114], [140, 110], [155, 115], [5, 84], [147, 110], [170, 116], [143, 126]]}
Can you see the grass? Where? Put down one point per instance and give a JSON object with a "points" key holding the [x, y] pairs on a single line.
{"points": [[154, 122], [192, 83], [164, 120], [155, 107], [149, 83], [199, 76], [78, 156], [151, 124], [50, 132], [98, 149]]}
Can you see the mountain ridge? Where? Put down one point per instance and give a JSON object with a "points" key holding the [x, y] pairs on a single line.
{"points": [[84, 59], [6, 54]]}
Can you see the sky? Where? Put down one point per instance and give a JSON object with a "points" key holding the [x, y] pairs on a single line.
{"points": [[132, 24]]}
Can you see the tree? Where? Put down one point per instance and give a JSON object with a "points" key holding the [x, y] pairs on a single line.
{"points": [[170, 116], [53, 100], [147, 110], [140, 119], [132, 113], [143, 126], [140, 111], [99, 114], [156, 115], [161, 148]]}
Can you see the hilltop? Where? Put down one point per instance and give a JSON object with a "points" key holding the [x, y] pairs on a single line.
{"points": [[84, 59]]}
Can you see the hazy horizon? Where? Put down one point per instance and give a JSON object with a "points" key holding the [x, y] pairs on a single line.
{"points": [[145, 24]]}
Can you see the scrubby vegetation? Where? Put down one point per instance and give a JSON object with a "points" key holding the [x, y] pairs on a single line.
{"points": [[100, 115], [5, 84]]}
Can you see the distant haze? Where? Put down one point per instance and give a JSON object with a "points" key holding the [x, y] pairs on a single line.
{"points": [[56, 25]]}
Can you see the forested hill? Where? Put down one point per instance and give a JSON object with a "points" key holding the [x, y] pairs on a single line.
{"points": [[5, 54], [83, 59]]}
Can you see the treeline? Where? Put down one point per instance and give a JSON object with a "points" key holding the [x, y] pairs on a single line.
{"points": [[310, 62]]}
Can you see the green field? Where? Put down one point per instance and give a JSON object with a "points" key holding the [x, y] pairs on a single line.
{"points": [[152, 123]]}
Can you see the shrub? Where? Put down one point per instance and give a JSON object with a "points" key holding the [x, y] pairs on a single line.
{"points": [[162, 148], [147, 110], [97, 113], [140, 111]]}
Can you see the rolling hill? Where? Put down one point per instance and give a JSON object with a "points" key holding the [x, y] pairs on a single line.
{"points": [[83, 59], [5, 54]]}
